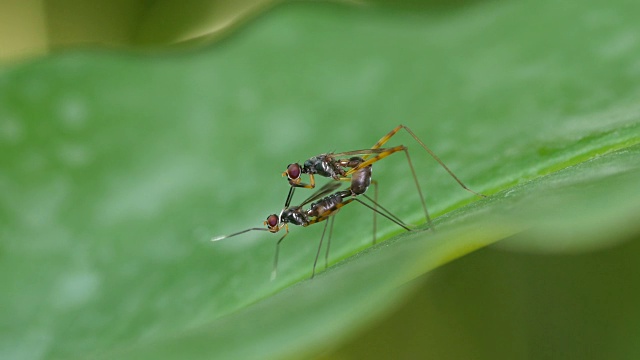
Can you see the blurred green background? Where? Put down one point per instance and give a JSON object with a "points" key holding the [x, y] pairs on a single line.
{"points": [[140, 131]]}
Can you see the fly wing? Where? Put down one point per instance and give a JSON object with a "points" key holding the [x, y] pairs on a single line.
{"points": [[359, 152], [325, 190]]}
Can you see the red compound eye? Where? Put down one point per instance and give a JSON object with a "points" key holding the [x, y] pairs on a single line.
{"points": [[293, 171], [272, 220]]}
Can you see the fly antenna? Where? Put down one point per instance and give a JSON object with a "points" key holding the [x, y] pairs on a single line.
{"points": [[218, 238]]}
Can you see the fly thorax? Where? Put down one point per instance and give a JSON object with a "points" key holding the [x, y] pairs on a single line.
{"points": [[295, 216], [309, 166], [323, 165]]}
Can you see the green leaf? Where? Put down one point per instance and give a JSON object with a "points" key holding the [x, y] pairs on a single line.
{"points": [[117, 170], [333, 304]]}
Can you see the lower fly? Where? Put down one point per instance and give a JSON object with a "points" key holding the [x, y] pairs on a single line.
{"points": [[323, 209]]}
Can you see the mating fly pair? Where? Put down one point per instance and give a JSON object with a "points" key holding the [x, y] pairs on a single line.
{"points": [[354, 167]]}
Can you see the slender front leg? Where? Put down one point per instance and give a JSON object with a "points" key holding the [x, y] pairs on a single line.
{"points": [[274, 272], [313, 271], [326, 254]]}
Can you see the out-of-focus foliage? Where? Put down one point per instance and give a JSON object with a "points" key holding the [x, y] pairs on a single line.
{"points": [[38, 27]]}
